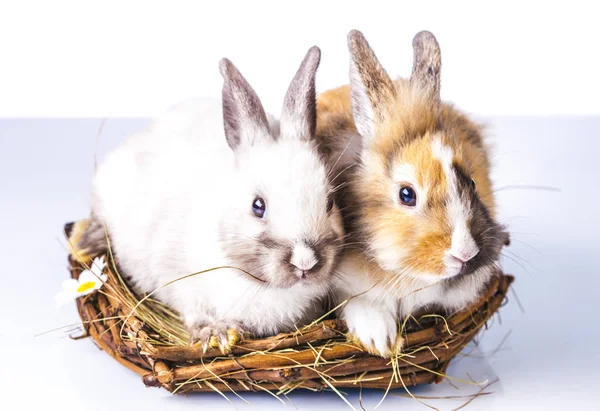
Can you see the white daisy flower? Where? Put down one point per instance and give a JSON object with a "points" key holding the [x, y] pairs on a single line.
{"points": [[88, 282]]}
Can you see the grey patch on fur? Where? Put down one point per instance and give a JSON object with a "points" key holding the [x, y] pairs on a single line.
{"points": [[246, 253], [93, 240], [270, 242], [329, 143], [427, 63], [299, 114], [320, 247], [368, 81], [347, 201], [242, 109], [68, 229], [254, 255]]}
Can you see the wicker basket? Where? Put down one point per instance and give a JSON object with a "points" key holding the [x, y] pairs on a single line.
{"points": [[315, 357]]}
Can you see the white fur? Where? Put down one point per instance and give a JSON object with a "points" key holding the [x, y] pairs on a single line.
{"points": [[165, 191], [373, 325], [388, 254], [428, 292], [443, 153], [463, 247]]}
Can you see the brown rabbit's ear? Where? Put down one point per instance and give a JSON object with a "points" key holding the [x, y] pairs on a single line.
{"points": [[243, 114], [299, 115], [370, 86], [427, 62]]}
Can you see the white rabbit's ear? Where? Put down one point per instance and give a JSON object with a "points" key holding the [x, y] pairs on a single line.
{"points": [[299, 115], [370, 86], [427, 62], [243, 114]]}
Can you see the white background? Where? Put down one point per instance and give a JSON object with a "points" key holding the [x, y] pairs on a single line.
{"points": [[135, 59]]}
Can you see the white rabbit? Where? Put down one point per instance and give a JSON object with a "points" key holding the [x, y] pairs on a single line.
{"points": [[208, 186]]}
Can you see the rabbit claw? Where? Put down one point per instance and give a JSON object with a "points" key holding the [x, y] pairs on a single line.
{"points": [[222, 336]]}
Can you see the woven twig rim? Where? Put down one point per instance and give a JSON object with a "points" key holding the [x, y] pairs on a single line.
{"points": [[316, 357]]}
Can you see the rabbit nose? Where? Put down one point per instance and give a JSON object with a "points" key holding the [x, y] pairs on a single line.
{"points": [[303, 258], [305, 264], [465, 255]]}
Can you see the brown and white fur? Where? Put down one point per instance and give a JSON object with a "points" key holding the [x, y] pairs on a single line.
{"points": [[178, 198], [437, 254]]}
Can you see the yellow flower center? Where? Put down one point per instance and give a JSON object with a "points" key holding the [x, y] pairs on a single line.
{"points": [[86, 286]]}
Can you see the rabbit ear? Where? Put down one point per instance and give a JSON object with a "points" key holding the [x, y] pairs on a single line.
{"points": [[243, 114], [299, 115], [370, 85], [426, 66]]}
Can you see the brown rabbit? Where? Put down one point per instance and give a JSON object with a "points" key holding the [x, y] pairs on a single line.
{"points": [[415, 192]]}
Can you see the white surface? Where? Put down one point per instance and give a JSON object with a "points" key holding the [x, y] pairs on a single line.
{"points": [[550, 360], [73, 58]]}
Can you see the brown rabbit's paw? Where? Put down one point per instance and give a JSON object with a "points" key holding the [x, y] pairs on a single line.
{"points": [[376, 331]]}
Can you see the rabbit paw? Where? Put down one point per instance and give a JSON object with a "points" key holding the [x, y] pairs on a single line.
{"points": [[216, 335], [373, 328]]}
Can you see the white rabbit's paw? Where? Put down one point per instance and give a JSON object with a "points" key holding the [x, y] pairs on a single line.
{"points": [[373, 328], [216, 335]]}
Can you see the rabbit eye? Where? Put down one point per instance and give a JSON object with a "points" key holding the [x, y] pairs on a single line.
{"points": [[473, 184], [329, 204], [408, 196], [259, 207]]}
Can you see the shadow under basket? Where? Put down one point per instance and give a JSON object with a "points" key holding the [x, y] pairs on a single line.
{"points": [[316, 357]]}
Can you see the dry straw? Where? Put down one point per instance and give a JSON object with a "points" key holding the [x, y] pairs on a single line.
{"points": [[147, 337]]}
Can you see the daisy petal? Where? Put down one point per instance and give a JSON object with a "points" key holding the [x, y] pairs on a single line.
{"points": [[98, 265], [70, 285], [87, 276]]}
